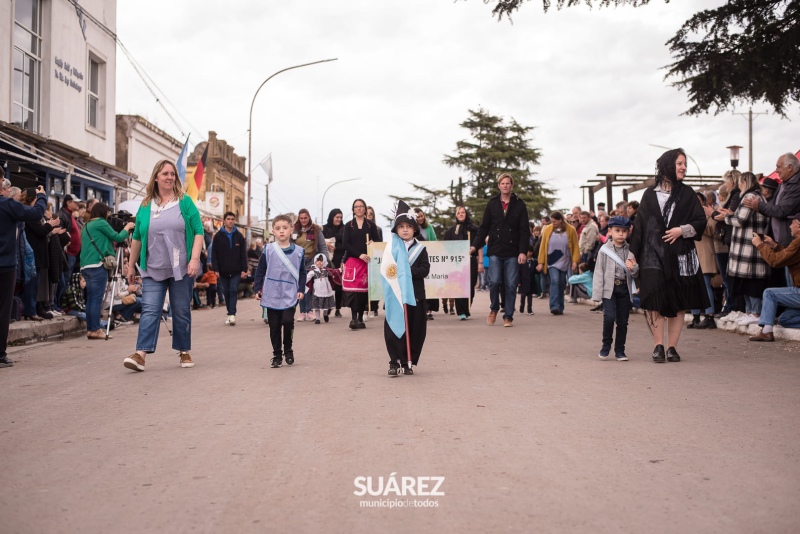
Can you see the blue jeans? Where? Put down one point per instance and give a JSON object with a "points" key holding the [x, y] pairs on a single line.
{"points": [[230, 289], [96, 278], [752, 305], [558, 283], [126, 311], [503, 271], [710, 309], [783, 296], [617, 309], [180, 300], [29, 290], [64, 281]]}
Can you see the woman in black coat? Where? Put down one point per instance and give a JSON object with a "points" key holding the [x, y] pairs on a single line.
{"points": [[465, 229], [334, 229], [670, 219]]}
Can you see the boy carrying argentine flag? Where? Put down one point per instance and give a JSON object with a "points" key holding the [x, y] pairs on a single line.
{"points": [[404, 266]]}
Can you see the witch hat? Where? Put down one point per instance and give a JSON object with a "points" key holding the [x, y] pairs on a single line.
{"points": [[404, 214]]}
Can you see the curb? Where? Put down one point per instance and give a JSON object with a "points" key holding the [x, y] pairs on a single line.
{"points": [[25, 332], [780, 333]]}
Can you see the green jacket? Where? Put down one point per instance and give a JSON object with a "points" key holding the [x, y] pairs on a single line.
{"points": [[194, 226], [103, 235]]}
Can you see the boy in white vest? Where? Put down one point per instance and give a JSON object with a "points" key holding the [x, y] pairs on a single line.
{"points": [[613, 286]]}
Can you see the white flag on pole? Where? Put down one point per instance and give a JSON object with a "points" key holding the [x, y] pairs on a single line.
{"points": [[266, 166]]}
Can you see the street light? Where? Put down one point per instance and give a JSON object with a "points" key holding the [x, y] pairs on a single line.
{"points": [[734, 149], [250, 142], [322, 205]]}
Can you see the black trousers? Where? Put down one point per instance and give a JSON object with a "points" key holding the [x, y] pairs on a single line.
{"points": [[417, 331], [281, 329], [463, 305], [617, 309], [7, 282]]}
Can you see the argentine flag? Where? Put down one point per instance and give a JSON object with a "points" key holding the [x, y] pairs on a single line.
{"points": [[397, 286], [183, 160]]}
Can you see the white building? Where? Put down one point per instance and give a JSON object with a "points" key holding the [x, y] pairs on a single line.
{"points": [[57, 97], [140, 145]]}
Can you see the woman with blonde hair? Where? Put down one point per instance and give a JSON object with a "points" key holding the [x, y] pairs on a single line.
{"points": [[167, 242], [748, 273]]}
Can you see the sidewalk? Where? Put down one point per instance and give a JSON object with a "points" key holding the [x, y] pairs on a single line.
{"points": [[25, 332]]}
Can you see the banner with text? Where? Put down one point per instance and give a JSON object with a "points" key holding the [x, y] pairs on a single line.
{"points": [[449, 276]]}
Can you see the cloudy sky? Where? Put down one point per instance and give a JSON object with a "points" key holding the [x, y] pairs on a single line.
{"points": [[387, 111]]}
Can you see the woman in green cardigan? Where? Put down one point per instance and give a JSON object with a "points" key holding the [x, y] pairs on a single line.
{"points": [[96, 243], [167, 241]]}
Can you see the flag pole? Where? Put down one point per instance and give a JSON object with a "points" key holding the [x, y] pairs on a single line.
{"points": [[472, 288], [408, 339], [369, 311]]}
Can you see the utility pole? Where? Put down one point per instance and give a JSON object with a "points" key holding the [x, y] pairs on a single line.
{"points": [[750, 136]]}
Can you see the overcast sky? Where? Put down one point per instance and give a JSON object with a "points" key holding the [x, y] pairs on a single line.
{"points": [[387, 111]]}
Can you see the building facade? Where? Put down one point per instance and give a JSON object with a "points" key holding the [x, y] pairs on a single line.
{"points": [[57, 97], [139, 146], [224, 171]]}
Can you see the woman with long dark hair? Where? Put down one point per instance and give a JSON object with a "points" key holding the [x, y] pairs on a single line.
{"points": [[358, 232], [465, 229], [670, 219], [333, 231], [308, 236]]}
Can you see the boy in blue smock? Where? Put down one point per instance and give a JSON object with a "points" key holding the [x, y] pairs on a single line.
{"points": [[279, 283]]}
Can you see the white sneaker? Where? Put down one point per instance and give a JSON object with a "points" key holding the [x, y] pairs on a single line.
{"points": [[301, 318], [231, 320], [733, 316], [748, 320]]}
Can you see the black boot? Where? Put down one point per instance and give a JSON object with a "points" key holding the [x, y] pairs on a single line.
{"points": [[658, 354], [695, 321], [707, 323], [672, 355], [289, 357], [338, 313], [353, 324]]}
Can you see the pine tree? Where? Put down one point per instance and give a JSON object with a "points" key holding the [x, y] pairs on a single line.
{"points": [[496, 147]]}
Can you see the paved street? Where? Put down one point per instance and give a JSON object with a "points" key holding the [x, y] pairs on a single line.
{"points": [[531, 432]]}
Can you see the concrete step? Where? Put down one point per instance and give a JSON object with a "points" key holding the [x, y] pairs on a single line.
{"points": [[24, 332]]}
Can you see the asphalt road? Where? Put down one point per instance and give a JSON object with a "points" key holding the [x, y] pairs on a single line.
{"points": [[530, 430]]}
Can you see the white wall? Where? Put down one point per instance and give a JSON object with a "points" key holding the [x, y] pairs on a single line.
{"points": [[64, 107]]}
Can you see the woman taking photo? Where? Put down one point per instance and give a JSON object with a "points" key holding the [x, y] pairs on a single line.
{"points": [[558, 251], [333, 231], [748, 273], [464, 229], [670, 219], [357, 233], [167, 242], [308, 236], [96, 244]]}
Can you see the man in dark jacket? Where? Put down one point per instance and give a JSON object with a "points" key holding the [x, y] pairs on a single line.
{"points": [[12, 212], [229, 261], [505, 221]]}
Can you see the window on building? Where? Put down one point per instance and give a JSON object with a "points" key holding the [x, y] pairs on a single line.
{"points": [[27, 62], [95, 116]]}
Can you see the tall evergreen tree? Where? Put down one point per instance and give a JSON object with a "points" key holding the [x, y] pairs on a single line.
{"points": [[494, 147]]}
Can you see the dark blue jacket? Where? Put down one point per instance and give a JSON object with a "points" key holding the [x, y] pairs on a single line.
{"points": [[12, 212]]}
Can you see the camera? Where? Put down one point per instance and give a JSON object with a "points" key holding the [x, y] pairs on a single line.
{"points": [[120, 219]]}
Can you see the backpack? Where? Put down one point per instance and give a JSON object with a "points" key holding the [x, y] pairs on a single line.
{"points": [[16, 309]]}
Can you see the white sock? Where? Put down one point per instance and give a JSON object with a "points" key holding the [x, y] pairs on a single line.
{"points": [[767, 328], [316, 315]]}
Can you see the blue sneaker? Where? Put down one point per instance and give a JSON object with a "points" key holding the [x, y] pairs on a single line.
{"points": [[462, 317], [621, 357], [604, 352]]}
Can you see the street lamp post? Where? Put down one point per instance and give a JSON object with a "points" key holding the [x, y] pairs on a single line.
{"points": [[250, 141], [734, 150], [322, 205]]}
